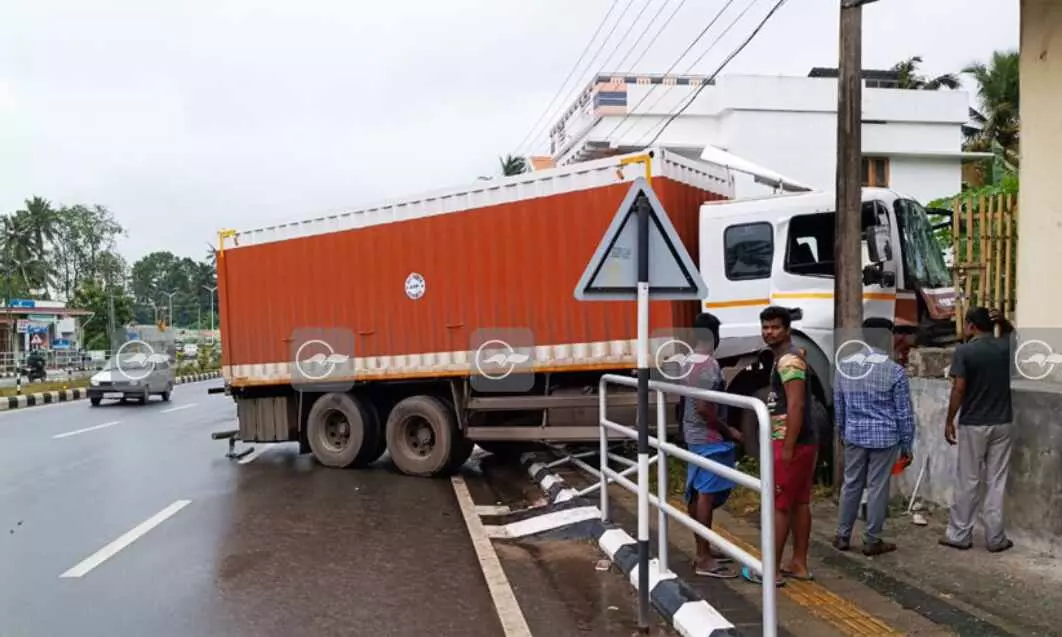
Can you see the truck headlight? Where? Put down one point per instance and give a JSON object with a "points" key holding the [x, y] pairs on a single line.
{"points": [[94, 382]]}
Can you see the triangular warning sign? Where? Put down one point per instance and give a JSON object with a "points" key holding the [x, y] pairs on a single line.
{"points": [[612, 274]]}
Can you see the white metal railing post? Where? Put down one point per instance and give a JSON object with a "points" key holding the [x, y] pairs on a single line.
{"points": [[767, 565], [602, 393], [661, 483], [767, 547]]}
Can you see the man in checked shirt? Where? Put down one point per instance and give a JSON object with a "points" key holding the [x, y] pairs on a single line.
{"points": [[875, 420]]}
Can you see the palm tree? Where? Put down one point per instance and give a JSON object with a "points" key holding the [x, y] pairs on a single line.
{"points": [[998, 123], [909, 77], [513, 165]]}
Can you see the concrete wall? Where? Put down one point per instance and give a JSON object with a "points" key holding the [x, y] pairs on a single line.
{"points": [[1034, 486], [1040, 226]]}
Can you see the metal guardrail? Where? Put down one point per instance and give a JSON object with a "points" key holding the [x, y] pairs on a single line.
{"points": [[766, 567]]}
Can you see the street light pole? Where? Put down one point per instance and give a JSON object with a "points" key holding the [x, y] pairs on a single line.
{"points": [[211, 290], [170, 294]]}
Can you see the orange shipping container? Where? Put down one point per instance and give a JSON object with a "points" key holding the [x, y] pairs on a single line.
{"points": [[417, 281]]}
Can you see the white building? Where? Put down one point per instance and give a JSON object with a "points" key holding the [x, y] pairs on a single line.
{"points": [[912, 140]]}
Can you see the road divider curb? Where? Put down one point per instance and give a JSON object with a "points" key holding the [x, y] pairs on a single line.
{"points": [[66, 395], [684, 609]]}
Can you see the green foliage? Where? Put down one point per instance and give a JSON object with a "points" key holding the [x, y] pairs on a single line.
{"points": [[158, 274], [513, 165], [92, 297]]}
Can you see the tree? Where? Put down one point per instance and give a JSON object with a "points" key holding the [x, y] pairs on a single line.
{"points": [[27, 270], [158, 274], [911, 79], [513, 165], [93, 297], [84, 248], [997, 120]]}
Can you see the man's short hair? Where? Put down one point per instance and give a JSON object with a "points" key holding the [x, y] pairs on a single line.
{"points": [[776, 313], [980, 318], [706, 325], [878, 333]]}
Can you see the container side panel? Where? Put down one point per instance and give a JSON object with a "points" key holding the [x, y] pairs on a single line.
{"points": [[509, 266]]}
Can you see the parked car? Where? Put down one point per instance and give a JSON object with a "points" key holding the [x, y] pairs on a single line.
{"points": [[135, 375]]}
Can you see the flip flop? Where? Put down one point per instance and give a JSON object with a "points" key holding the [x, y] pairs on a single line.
{"points": [[719, 572], [755, 578], [788, 574]]}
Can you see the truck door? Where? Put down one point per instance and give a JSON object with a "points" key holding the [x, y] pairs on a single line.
{"points": [[737, 257]]}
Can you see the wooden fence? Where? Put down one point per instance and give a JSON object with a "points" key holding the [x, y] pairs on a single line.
{"points": [[984, 239]]}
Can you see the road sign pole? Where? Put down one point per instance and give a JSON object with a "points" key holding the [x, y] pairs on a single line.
{"points": [[643, 414]]}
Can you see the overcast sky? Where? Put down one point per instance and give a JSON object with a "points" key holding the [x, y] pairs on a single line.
{"points": [[185, 117]]}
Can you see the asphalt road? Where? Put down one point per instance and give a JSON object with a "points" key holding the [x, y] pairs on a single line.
{"points": [[129, 520]]}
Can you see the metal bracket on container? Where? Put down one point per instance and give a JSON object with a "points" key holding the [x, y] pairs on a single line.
{"points": [[646, 159], [222, 235]]}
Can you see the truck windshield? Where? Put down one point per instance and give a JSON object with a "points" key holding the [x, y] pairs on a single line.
{"points": [[923, 258]]}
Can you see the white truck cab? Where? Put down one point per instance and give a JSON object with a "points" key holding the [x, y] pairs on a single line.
{"points": [[779, 250]]}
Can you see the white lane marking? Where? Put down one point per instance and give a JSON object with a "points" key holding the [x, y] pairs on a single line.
{"points": [[512, 618], [489, 509], [130, 536], [178, 408], [86, 429], [258, 451]]}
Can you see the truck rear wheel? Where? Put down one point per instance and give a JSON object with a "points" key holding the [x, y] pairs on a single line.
{"points": [[422, 436], [341, 432]]}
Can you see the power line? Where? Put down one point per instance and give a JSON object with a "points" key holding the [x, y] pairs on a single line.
{"points": [[601, 48], [663, 5], [623, 37], [759, 27], [672, 67], [560, 90], [691, 67], [671, 17]]}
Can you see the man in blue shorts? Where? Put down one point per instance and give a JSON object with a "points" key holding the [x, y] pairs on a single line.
{"points": [[707, 434]]}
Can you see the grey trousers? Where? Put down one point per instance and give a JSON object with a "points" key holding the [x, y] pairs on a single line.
{"points": [[984, 456], [870, 469]]}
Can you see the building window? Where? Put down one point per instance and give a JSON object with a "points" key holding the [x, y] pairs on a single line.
{"points": [[876, 172], [749, 250]]}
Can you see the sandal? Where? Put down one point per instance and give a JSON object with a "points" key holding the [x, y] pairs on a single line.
{"points": [[755, 578], [788, 574], [719, 572]]}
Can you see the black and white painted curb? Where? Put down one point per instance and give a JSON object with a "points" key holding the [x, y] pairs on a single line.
{"points": [[66, 395], [687, 612], [551, 484]]}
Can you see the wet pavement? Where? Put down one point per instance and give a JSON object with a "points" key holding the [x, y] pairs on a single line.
{"points": [[157, 533]]}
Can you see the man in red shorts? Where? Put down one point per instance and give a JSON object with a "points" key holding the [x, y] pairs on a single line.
{"points": [[795, 447]]}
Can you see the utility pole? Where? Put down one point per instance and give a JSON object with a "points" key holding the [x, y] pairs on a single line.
{"points": [[848, 258]]}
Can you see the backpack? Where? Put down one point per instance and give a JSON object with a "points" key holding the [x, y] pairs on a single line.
{"points": [[817, 416]]}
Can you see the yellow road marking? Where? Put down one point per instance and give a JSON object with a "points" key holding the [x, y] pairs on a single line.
{"points": [[820, 602]]}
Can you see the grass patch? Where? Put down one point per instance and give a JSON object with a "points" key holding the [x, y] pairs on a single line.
{"points": [[54, 385]]}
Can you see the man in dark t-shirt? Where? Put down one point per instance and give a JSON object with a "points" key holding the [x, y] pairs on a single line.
{"points": [[980, 396]]}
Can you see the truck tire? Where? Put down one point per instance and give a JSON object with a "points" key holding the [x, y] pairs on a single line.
{"points": [[463, 448], [373, 413], [422, 437], [340, 432]]}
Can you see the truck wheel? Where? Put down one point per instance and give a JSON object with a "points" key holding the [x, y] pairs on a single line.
{"points": [[373, 414], [463, 448], [422, 435], [340, 432], [95, 401]]}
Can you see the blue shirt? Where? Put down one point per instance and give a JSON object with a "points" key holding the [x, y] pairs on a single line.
{"points": [[872, 403]]}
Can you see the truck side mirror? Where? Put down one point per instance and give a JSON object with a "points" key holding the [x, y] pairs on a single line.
{"points": [[878, 247]]}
